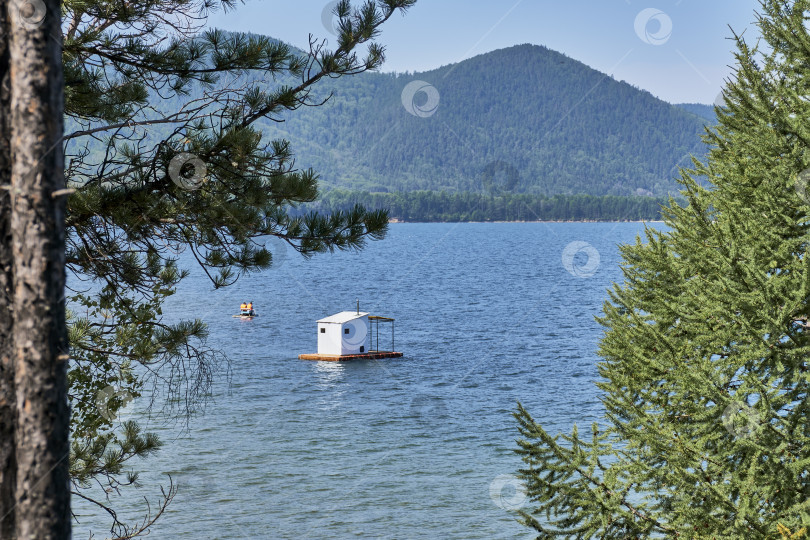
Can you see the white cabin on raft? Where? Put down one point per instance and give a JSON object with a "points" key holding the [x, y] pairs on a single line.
{"points": [[352, 335], [343, 333]]}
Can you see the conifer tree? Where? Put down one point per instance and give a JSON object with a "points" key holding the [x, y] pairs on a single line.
{"points": [[34, 417], [704, 376], [8, 466], [146, 184]]}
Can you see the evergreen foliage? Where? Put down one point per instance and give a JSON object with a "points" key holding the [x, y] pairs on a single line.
{"points": [[705, 374], [163, 154]]}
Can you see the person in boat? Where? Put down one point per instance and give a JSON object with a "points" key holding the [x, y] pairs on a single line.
{"points": [[250, 309], [243, 309]]}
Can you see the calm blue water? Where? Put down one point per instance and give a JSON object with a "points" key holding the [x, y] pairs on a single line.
{"points": [[486, 314]]}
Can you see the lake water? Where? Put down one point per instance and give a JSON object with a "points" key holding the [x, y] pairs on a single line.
{"points": [[421, 446]]}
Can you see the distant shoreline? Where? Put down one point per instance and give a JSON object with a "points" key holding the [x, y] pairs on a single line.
{"points": [[470, 207]]}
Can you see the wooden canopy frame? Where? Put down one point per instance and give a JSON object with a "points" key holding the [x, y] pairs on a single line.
{"points": [[374, 329]]}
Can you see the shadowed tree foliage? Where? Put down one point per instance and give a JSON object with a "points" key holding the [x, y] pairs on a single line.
{"points": [[705, 375], [200, 178]]}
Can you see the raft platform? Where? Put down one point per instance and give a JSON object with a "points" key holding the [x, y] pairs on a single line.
{"points": [[373, 355]]}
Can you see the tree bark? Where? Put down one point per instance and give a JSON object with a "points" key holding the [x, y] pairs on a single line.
{"points": [[7, 395], [38, 248]]}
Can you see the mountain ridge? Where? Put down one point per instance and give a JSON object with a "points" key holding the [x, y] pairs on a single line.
{"points": [[547, 123]]}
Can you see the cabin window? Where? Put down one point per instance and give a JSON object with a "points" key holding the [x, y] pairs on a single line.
{"points": [[345, 330], [323, 330], [362, 348]]}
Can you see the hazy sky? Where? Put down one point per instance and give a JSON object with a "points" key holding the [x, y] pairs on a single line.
{"points": [[678, 49]]}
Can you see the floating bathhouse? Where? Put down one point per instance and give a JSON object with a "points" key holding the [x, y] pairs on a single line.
{"points": [[352, 335]]}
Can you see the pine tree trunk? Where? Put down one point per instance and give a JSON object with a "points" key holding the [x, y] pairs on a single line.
{"points": [[7, 396], [38, 249]]}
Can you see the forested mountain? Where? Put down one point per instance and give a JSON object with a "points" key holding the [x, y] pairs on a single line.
{"points": [[524, 119]]}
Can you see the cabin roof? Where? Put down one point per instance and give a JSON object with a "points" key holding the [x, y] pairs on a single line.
{"points": [[342, 317]]}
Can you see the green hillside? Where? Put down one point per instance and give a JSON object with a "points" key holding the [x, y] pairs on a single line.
{"points": [[706, 112], [523, 119]]}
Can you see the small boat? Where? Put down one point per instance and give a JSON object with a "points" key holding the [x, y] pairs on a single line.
{"points": [[241, 316]]}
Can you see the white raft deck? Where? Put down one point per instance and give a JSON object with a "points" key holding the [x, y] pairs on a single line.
{"points": [[371, 355]]}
